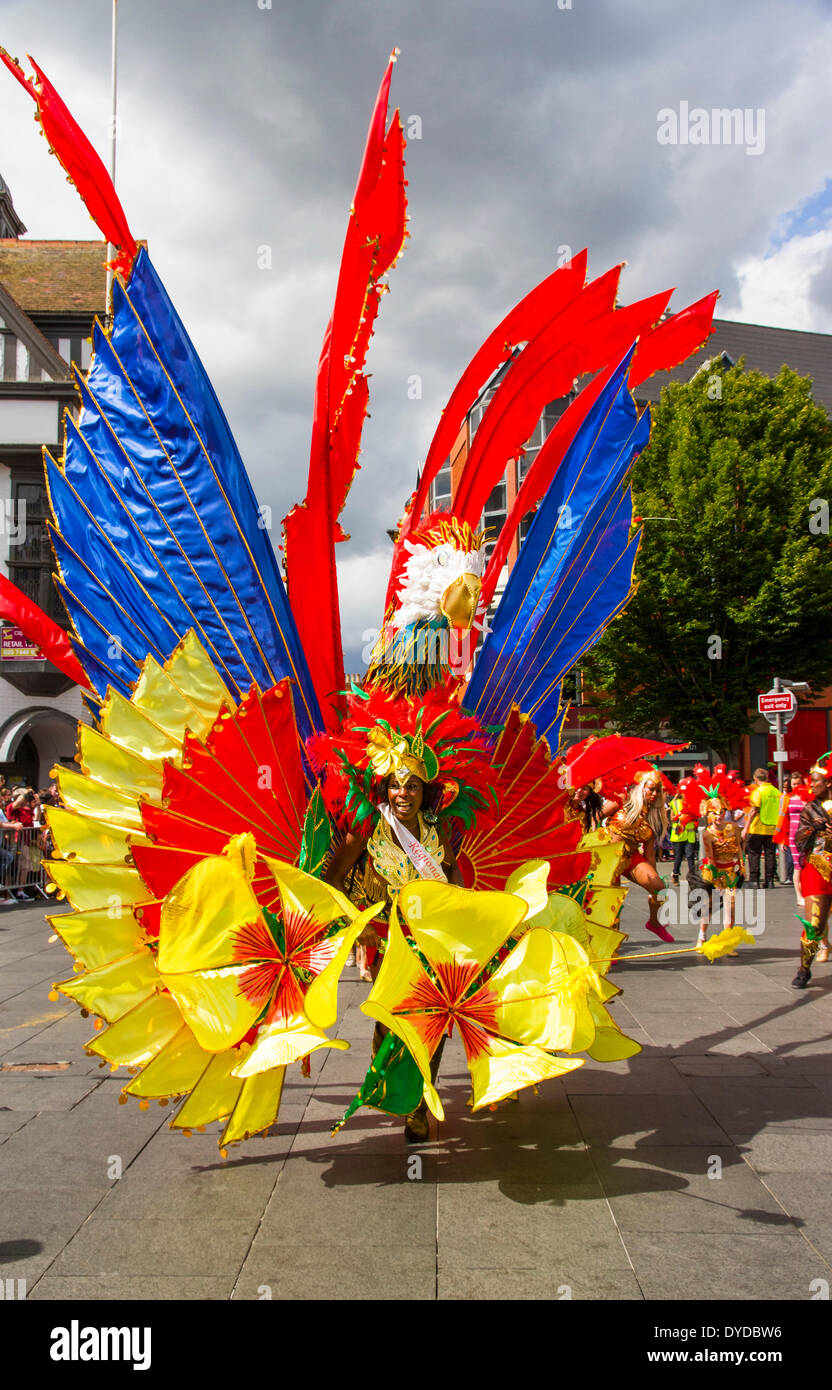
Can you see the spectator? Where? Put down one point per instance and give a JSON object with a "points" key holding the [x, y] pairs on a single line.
{"points": [[794, 798], [6, 853], [758, 836], [682, 837]]}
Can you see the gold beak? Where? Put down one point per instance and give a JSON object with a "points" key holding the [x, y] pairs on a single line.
{"points": [[459, 601]]}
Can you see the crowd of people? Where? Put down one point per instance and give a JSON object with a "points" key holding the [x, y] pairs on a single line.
{"points": [[728, 834], [24, 838]]}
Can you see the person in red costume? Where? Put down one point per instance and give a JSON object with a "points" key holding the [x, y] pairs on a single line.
{"points": [[640, 826]]}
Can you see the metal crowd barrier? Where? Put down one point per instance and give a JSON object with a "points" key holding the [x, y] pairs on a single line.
{"points": [[22, 852]]}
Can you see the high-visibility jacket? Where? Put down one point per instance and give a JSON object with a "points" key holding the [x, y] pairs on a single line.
{"points": [[765, 809], [686, 833]]}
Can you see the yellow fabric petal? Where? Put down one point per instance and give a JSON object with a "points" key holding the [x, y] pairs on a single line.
{"points": [[214, 1095], [92, 841], [321, 1000], [174, 1070], [257, 1106], [604, 904], [533, 987], [137, 1037], [563, 914], [158, 696], [610, 1044], [103, 759], [529, 882], [91, 798], [300, 892], [96, 938], [123, 722], [192, 669], [606, 856], [113, 990], [201, 915], [213, 1005], [505, 1068], [90, 886], [279, 1044], [451, 923]]}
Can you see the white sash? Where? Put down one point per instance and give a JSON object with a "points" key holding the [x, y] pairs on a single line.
{"points": [[424, 863]]}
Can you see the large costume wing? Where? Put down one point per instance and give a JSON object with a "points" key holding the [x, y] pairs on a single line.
{"points": [[574, 572], [156, 530], [374, 239]]}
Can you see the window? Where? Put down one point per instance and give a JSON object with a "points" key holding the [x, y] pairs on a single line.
{"points": [[31, 563], [440, 492]]}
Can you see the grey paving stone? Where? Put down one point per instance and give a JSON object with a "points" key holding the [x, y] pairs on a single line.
{"points": [[646, 1120], [72, 1147], [639, 1075], [331, 1271], [718, 1066], [359, 1213], [657, 1191], [744, 1107], [526, 1285], [190, 1198], [104, 1248], [154, 1288], [545, 1227], [31, 1092], [787, 1150], [767, 1266], [12, 1120]]}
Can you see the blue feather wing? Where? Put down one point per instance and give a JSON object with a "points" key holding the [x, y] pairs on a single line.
{"points": [[156, 526], [575, 570]]}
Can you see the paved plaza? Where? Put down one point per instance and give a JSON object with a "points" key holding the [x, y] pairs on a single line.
{"points": [[697, 1170]]}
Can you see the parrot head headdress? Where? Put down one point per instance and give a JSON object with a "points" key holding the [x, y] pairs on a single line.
{"points": [[437, 573]]}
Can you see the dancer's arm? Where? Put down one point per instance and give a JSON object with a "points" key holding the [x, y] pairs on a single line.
{"points": [[449, 860]]}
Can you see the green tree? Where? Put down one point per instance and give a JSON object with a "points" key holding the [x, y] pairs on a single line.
{"points": [[734, 584]]}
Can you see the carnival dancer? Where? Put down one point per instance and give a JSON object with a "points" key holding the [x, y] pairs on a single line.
{"points": [[814, 846], [407, 844], [723, 867], [793, 800], [641, 825]]}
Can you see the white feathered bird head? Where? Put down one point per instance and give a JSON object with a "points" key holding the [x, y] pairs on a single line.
{"points": [[438, 573]]}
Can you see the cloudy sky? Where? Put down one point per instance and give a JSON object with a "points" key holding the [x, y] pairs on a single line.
{"points": [[543, 125]]}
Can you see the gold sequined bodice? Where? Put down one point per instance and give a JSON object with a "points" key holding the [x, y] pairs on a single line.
{"points": [[388, 867]]}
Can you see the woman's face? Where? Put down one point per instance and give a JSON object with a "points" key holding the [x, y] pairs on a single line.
{"points": [[406, 797], [820, 785], [651, 791], [796, 780]]}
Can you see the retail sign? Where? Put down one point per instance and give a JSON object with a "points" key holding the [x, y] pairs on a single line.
{"points": [[777, 702], [16, 646]]}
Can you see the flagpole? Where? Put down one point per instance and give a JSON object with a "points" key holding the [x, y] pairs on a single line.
{"points": [[113, 130]]}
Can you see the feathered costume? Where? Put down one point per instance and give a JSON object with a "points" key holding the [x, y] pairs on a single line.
{"points": [[225, 760]]}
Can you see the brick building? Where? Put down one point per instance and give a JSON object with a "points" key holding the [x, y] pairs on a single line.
{"points": [[50, 293]]}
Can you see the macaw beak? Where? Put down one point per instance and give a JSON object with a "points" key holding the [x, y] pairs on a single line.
{"points": [[459, 601]]}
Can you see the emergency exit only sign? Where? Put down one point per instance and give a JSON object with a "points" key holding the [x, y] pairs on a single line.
{"points": [[776, 702]]}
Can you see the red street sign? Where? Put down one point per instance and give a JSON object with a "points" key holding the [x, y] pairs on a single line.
{"points": [[776, 701]]}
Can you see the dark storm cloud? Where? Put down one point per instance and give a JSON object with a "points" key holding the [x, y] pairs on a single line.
{"points": [[243, 127]]}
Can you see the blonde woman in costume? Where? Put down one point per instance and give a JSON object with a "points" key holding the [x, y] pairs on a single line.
{"points": [[640, 826]]}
